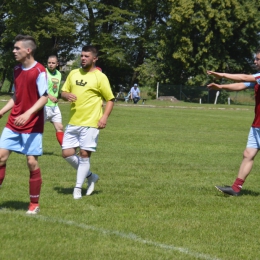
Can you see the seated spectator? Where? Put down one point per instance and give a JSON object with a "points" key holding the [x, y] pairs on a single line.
{"points": [[135, 94]]}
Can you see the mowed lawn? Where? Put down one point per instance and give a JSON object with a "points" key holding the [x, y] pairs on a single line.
{"points": [[158, 164]]}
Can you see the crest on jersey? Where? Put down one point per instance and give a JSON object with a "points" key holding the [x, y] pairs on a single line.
{"points": [[81, 83]]}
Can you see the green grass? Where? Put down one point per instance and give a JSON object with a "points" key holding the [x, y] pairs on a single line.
{"points": [[243, 97], [158, 165]]}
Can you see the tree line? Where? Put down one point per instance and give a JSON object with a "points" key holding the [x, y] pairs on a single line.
{"points": [[142, 41]]}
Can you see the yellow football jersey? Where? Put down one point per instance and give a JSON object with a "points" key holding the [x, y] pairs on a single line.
{"points": [[90, 88]]}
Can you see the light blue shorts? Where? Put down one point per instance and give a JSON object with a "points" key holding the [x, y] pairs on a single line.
{"points": [[28, 144], [80, 136], [253, 140]]}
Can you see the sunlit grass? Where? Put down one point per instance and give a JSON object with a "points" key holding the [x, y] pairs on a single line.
{"points": [[158, 164]]}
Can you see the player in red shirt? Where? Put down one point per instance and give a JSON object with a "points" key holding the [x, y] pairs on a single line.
{"points": [[253, 142], [24, 128]]}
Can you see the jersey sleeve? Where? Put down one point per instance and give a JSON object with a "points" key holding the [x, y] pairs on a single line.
{"points": [[42, 83], [105, 88], [249, 84], [66, 86], [252, 84], [257, 77]]}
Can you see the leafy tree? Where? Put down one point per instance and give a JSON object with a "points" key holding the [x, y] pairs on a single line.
{"points": [[210, 35], [53, 28], [106, 25], [166, 41]]}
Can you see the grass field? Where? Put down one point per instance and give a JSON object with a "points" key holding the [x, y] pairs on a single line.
{"points": [[158, 164]]}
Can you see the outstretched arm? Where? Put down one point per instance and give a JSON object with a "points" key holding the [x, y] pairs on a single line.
{"points": [[235, 77], [231, 87]]}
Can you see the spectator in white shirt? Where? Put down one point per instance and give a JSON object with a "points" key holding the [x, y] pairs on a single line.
{"points": [[135, 93]]}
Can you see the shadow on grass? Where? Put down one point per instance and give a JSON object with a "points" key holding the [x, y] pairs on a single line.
{"points": [[250, 193], [69, 191], [51, 153], [62, 190], [16, 205]]}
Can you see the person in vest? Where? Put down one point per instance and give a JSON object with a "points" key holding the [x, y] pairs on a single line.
{"points": [[51, 110]]}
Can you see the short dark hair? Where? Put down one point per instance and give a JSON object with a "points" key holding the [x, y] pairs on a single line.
{"points": [[90, 48], [53, 56], [257, 51], [28, 40]]}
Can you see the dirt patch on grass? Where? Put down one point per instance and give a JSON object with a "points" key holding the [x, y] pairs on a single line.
{"points": [[168, 98]]}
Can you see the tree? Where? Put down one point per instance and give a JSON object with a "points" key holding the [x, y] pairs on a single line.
{"points": [[54, 28], [166, 41], [211, 34]]}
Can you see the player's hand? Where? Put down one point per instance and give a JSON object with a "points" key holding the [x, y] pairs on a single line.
{"points": [[21, 120], [53, 99], [102, 122], [214, 86], [215, 74], [71, 97]]}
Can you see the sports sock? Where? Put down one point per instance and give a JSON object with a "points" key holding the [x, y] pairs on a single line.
{"points": [[2, 173], [35, 183], [237, 185], [83, 170], [89, 174], [59, 136], [73, 160]]}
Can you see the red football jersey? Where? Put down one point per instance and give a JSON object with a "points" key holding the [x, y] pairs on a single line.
{"points": [[256, 122], [26, 95]]}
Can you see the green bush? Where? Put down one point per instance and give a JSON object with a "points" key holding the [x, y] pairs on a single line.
{"points": [[5, 87], [151, 94]]}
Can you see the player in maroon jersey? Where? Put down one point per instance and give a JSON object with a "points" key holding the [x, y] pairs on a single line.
{"points": [[253, 141], [24, 128]]}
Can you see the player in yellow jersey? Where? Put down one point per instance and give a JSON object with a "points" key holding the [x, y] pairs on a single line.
{"points": [[85, 88]]}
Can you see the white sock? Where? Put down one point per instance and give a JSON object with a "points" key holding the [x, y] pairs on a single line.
{"points": [[73, 160], [83, 171], [89, 173]]}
